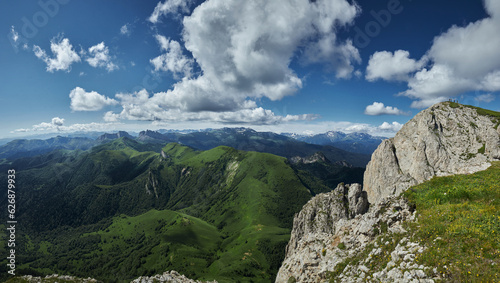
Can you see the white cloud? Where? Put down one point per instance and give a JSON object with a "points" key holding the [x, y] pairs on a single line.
{"points": [[462, 59], [391, 66], [57, 121], [491, 82], [487, 98], [88, 101], [57, 124], [51, 127], [169, 7], [99, 57], [140, 106], [63, 52], [111, 117], [244, 49], [125, 30], [436, 85], [14, 34], [393, 127], [173, 60], [378, 108]]}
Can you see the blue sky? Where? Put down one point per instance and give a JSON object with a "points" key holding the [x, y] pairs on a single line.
{"points": [[285, 66]]}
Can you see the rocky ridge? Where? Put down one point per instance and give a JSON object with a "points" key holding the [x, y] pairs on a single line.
{"points": [[445, 139], [329, 241], [327, 233], [170, 276], [167, 277]]}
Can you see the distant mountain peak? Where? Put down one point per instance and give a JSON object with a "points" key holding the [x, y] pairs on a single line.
{"points": [[114, 136]]}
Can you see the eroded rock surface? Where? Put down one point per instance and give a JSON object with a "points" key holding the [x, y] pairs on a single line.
{"points": [[445, 139]]}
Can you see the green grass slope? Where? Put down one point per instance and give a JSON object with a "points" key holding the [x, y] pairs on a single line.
{"points": [[120, 211], [459, 222], [458, 225]]}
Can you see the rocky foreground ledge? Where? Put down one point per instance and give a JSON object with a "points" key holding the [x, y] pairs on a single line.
{"points": [[167, 277]]}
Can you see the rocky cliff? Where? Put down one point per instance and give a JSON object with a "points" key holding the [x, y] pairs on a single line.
{"points": [[335, 237], [337, 226], [445, 139]]}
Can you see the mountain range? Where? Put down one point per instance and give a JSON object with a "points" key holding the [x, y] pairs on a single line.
{"points": [[126, 207], [238, 138], [352, 142], [219, 205]]}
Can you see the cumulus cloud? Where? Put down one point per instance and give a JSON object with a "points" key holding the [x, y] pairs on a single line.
{"points": [[487, 98], [337, 56], [54, 127], [99, 57], [435, 85], [64, 55], [172, 60], [391, 66], [56, 121], [169, 7], [392, 127], [378, 108], [464, 58], [244, 49], [88, 101], [384, 129], [111, 117], [140, 106], [125, 30]]}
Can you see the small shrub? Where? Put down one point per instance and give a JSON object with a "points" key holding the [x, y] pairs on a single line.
{"points": [[341, 246], [482, 149], [292, 280]]}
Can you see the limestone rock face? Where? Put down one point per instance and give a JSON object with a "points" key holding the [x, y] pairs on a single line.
{"points": [[445, 139], [332, 228], [324, 234]]}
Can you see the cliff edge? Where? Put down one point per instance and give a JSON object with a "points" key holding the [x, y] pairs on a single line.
{"points": [[446, 139], [331, 240]]}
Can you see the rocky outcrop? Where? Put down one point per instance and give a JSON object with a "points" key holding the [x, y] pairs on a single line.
{"points": [[445, 139], [325, 234], [120, 134], [334, 237], [170, 276], [313, 228], [317, 157]]}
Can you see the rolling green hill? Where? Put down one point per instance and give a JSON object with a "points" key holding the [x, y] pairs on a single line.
{"points": [[125, 209]]}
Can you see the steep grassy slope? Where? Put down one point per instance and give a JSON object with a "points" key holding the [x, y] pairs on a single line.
{"points": [[459, 222], [120, 211], [457, 229]]}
